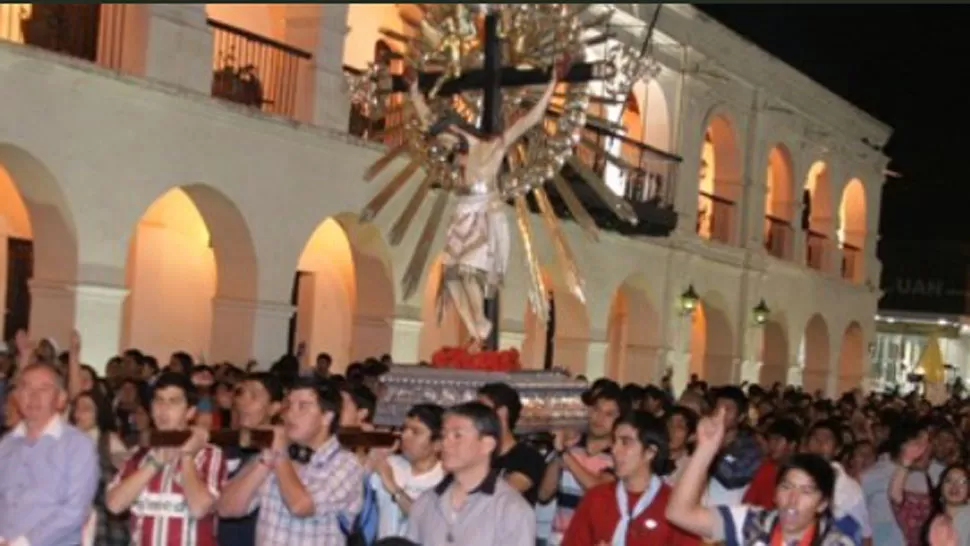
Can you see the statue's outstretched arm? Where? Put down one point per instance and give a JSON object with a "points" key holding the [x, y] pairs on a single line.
{"points": [[532, 118]]}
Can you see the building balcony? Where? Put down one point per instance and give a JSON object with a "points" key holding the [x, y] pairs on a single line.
{"points": [[92, 32], [715, 217], [779, 237], [851, 262], [254, 70], [816, 250]]}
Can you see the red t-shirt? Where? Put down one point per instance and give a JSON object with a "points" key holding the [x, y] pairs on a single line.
{"points": [[597, 515], [761, 491], [160, 515]]}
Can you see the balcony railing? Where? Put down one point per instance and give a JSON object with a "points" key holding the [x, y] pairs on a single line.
{"points": [[715, 217], [93, 32], [255, 70], [779, 235], [850, 261], [816, 247]]}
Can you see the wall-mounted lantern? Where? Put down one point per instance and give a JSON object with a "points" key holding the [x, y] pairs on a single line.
{"points": [[689, 300], [760, 313]]}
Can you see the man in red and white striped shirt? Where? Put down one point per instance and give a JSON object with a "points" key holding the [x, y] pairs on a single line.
{"points": [[171, 492]]}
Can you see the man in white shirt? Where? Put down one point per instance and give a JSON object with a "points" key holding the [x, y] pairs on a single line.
{"points": [[399, 479]]}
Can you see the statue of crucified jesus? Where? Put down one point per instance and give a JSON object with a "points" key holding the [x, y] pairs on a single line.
{"points": [[476, 250]]}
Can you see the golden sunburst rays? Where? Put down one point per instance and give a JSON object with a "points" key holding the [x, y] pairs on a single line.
{"points": [[422, 251], [380, 200]]}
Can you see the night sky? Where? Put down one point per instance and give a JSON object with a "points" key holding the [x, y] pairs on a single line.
{"points": [[907, 66]]}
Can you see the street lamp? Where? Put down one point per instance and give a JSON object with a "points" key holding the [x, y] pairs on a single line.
{"points": [[760, 313], [689, 300]]}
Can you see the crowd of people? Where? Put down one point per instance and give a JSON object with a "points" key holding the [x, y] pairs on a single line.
{"points": [[731, 464]]}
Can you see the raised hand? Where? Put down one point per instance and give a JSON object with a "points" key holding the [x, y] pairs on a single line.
{"points": [[75, 348], [914, 449], [198, 440], [22, 341], [710, 429]]}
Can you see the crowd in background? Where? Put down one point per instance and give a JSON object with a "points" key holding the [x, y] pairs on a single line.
{"points": [[737, 464]]}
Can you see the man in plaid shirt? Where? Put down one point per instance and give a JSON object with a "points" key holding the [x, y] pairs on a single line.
{"points": [[171, 491], [301, 492]]}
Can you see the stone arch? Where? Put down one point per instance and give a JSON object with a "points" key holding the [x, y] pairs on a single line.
{"points": [[852, 230], [170, 302], [571, 340], [34, 210], [535, 332], [779, 202], [632, 333], [852, 355], [774, 354], [720, 180], [345, 293], [814, 355], [817, 217], [711, 342]]}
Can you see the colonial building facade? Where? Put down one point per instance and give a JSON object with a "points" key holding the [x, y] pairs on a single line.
{"points": [[189, 177]]}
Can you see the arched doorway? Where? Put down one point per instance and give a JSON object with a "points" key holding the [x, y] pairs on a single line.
{"points": [[632, 334], [817, 216], [37, 245], [711, 351], [814, 355], [190, 247], [774, 355], [345, 292], [779, 204], [450, 331], [852, 231], [571, 341], [852, 367], [720, 181]]}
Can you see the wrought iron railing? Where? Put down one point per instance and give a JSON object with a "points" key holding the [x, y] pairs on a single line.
{"points": [[94, 32], [779, 235], [255, 70], [851, 255], [715, 217], [816, 248]]}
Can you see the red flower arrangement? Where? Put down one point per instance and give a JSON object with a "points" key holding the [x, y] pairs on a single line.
{"points": [[459, 358]]}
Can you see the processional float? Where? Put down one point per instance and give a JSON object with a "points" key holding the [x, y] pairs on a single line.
{"points": [[489, 131]]}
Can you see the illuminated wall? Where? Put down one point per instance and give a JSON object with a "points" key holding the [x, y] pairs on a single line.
{"points": [[171, 273]]}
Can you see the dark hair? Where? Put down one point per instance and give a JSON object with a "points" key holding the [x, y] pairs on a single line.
{"points": [[103, 413], [504, 396], [904, 430], [482, 417], [430, 415], [596, 387], [328, 398], [613, 393], [184, 360], [691, 418], [651, 431], [734, 394], [325, 356], [817, 468], [269, 382], [179, 381], [136, 355], [786, 428], [151, 363], [362, 397]]}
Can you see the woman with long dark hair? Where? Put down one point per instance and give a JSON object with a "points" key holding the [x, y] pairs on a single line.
{"points": [[950, 508], [803, 498], [92, 414]]}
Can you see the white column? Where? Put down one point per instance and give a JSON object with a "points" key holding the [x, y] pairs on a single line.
{"points": [[99, 317], [406, 340], [331, 105], [52, 311], [596, 359], [178, 47], [244, 330], [750, 363]]}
